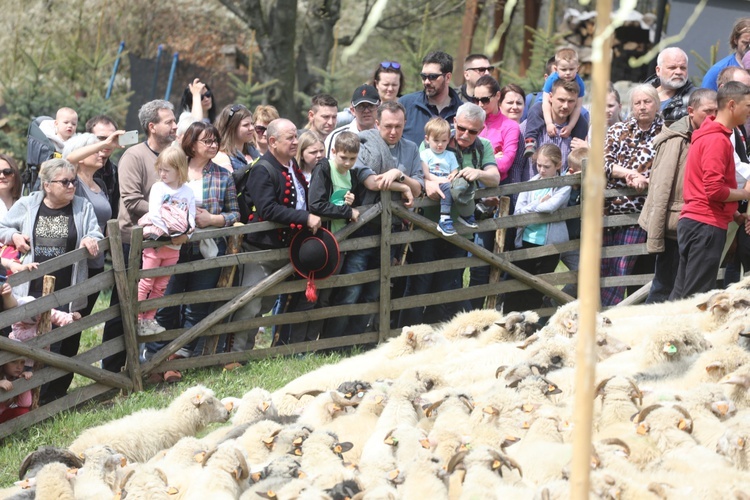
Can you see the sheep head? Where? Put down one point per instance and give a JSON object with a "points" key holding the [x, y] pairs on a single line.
{"points": [[622, 384], [44, 455]]}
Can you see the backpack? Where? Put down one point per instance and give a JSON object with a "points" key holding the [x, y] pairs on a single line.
{"points": [[38, 150], [240, 176]]}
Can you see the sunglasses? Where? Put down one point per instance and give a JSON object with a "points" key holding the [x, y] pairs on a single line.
{"points": [[66, 183], [7, 172], [484, 69], [390, 64], [234, 109], [260, 129], [463, 130], [207, 95], [430, 76], [483, 100]]}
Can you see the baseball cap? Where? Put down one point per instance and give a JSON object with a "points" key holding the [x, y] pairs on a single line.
{"points": [[365, 93]]}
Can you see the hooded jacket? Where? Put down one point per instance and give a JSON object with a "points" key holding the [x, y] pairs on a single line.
{"points": [[664, 201], [709, 175]]}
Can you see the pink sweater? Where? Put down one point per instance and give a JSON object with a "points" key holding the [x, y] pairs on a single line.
{"points": [[504, 134], [23, 400]]}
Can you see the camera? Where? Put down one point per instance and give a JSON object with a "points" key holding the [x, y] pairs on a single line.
{"points": [[482, 211]]}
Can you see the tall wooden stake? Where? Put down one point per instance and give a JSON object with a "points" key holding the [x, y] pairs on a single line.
{"points": [[45, 326], [591, 251]]}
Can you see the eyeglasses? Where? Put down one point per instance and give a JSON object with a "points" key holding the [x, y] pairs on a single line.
{"points": [[7, 172], [463, 130], [483, 69], [260, 129], [390, 64], [483, 100], [234, 109], [209, 142], [207, 95], [430, 76], [66, 183]]}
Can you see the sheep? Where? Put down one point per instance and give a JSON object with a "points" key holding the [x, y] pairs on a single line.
{"points": [[424, 477], [185, 416], [147, 483], [279, 471], [322, 460], [324, 409], [53, 482], [483, 466], [258, 440], [489, 325], [224, 475], [739, 380], [34, 461], [621, 399], [494, 420], [357, 427], [101, 473], [734, 444], [289, 440], [255, 405], [181, 462]]}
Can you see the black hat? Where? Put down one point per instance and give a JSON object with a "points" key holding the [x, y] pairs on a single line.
{"points": [[365, 93], [314, 256]]}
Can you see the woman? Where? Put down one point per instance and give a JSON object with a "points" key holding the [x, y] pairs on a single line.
{"points": [[237, 131], [198, 100], [628, 155], [216, 206], [10, 184], [389, 80], [613, 110], [501, 131], [92, 189], [512, 102], [310, 150], [44, 225], [263, 115]]}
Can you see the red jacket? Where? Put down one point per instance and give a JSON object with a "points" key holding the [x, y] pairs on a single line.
{"points": [[709, 175]]}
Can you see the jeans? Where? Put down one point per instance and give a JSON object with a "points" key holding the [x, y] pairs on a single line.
{"points": [[354, 262], [430, 251]]}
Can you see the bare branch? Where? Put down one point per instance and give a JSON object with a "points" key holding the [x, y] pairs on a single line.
{"points": [[243, 8], [348, 40]]}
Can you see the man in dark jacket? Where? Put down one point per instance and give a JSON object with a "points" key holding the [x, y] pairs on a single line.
{"points": [[672, 83]]}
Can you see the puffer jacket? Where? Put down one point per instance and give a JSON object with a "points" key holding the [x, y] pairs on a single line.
{"points": [[676, 108]]}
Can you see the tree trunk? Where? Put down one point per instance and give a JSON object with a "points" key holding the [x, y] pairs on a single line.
{"points": [[531, 11], [468, 28], [316, 44]]}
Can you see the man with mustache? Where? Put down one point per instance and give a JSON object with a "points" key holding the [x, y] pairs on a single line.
{"points": [[672, 83]]}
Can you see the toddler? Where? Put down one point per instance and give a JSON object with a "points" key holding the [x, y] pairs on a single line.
{"points": [[441, 166], [171, 213], [62, 128], [18, 405], [566, 69]]}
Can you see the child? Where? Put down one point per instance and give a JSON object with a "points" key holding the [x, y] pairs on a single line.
{"points": [[565, 68], [548, 159], [17, 406], [62, 128], [440, 165], [172, 169]]}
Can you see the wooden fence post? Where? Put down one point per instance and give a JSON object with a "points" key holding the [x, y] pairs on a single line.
{"points": [[386, 226], [45, 326], [127, 302], [503, 209], [226, 279]]}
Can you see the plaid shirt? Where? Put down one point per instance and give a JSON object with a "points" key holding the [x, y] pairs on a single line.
{"points": [[219, 193]]}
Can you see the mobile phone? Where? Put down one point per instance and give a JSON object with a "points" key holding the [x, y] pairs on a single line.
{"points": [[129, 138]]}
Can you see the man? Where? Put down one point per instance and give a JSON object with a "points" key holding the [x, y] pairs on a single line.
{"points": [[739, 42], [322, 115], [710, 193], [386, 152], [475, 67], [672, 83], [364, 106], [476, 164], [278, 190], [437, 98], [664, 201], [136, 174], [102, 126]]}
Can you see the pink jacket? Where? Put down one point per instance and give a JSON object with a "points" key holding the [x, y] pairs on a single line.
{"points": [[23, 400], [504, 135]]}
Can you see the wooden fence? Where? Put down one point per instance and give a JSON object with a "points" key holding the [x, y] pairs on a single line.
{"points": [[228, 299]]}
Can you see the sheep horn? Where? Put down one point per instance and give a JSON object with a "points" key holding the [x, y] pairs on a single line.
{"points": [[641, 416], [545, 494], [529, 340], [342, 401], [455, 460], [511, 464], [551, 388], [242, 472], [500, 369], [207, 456], [617, 442], [467, 401], [311, 392], [160, 473], [599, 391], [433, 407], [126, 479], [688, 422], [638, 392]]}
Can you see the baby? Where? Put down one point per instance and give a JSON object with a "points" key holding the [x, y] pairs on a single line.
{"points": [[62, 128]]}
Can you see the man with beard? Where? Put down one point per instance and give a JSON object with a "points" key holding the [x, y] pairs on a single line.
{"points": [[672, 83], [437, 98]]}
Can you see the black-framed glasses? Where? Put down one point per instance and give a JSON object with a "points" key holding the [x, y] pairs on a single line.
{"points": [[66, 183], [209, 142], [234, 109], [260, 129], [482, 69], [7, 172], [463, 130], [430, 76], [390, 64], [207, 95], [483, 100]]}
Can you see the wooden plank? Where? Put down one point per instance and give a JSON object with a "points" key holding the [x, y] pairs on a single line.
{"points": [[637, 297], [55, 264], [384, 313], [44, 327], [127, 300], [487, 256]]}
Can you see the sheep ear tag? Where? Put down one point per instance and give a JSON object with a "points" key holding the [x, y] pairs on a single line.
{"points": [[198, 399], [172, 490], [670, 348], [496, 464]]}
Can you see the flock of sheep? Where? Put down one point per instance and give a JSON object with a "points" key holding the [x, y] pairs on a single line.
{"points": [[479, 408]]}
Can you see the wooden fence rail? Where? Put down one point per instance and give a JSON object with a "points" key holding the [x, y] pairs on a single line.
{"points": [[125, 277]]}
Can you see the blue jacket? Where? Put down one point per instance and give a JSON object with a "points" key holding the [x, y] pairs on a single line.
{"points": [[419, 112]]}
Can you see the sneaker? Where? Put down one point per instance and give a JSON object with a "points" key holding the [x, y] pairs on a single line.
{"points": [[530, 148], [155, 326], [446, 228], [148, 327], [469, 221]]}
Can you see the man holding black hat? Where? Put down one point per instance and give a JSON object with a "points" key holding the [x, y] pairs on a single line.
{"points": [[365, 102]]}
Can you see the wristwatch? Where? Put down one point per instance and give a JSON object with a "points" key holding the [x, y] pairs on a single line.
{"points": [[401, 178]]}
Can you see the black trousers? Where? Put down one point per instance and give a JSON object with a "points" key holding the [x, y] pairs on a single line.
{"points": [[700, 256]]}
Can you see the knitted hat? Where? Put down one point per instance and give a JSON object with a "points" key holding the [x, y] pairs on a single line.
{"points": [[314, 256]]}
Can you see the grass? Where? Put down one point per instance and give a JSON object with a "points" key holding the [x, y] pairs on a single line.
{"points": [[64, 427]]}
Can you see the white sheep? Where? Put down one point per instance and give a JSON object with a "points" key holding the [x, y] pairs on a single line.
{"points": [[53, 482], [101, 474], [357, 427], [145, 482], [322, 459], [258, 440], [739, 381], [141, 435], [224, 475], [620, 400], [182, 462]]}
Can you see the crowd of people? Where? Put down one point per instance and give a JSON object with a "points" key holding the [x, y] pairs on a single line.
{"points": [[205, 168]]}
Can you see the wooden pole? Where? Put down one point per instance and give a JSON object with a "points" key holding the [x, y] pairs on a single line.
{"points": [[226, 280], [386, 226], [45, 326], [503, 209], [591, 251]]}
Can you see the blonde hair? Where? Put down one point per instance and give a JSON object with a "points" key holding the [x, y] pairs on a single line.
{"points": [[576, 158], [175, 158], [437, 127], [306, 140], [566, 54]]}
